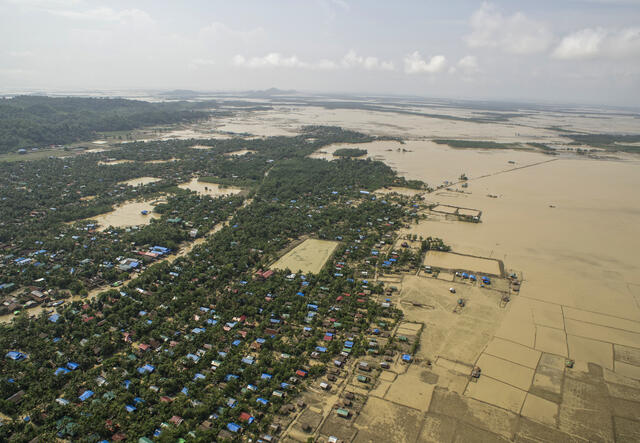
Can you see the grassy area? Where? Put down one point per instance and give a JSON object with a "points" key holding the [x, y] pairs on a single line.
{"points": [[350, 152], [33, 155]]}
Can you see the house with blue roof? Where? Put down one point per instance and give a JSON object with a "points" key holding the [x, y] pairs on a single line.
{"points": [[16, 356], [61, 371], [86, 395]]}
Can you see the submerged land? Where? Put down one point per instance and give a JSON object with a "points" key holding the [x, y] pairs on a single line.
{"points": [[335, 269]]}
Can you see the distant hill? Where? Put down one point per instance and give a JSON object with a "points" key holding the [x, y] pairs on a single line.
{"points": [[270, 92]]}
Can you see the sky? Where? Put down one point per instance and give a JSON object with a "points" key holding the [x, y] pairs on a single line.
{"points": [[560, 51]]}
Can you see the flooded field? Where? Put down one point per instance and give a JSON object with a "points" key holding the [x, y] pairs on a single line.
{"points": [[140, 181], [239, 153], [154, 162], [309, 256], [114, 162], [212, 189], [435, 163], [452, 261], [532, 126], [128, 214]]}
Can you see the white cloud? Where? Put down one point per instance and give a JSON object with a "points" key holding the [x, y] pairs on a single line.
{"points": [[271, 60], [599, 43], [414, 63], [353, 60], [350, 61], [516, 34], [469, 63]]}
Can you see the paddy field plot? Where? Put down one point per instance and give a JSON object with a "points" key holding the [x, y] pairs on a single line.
{"points": [[309, 256]]}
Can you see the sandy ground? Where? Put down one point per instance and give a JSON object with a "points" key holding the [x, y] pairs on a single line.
{"points": [[309, 256], [211, 189]]}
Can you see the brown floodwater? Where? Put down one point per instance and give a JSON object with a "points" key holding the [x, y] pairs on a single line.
{"points": [[436, 163], [582, 252], [127, 214], [140, 181], [212, 189]]}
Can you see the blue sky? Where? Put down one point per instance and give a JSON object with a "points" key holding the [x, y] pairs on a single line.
{"points": [[572, 51]]}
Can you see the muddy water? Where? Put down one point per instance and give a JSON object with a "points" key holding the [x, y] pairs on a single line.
{"points": [[153, 162], [114, 162], [127, 214], [583, 253], [239, 153], [140, 181], [287, 120], [436, 163], [212, 189]]}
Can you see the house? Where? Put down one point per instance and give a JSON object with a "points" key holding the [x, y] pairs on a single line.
{"points": [[176, 420], [86, 395], [245, 417], [16, 356], [15, 398]]}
